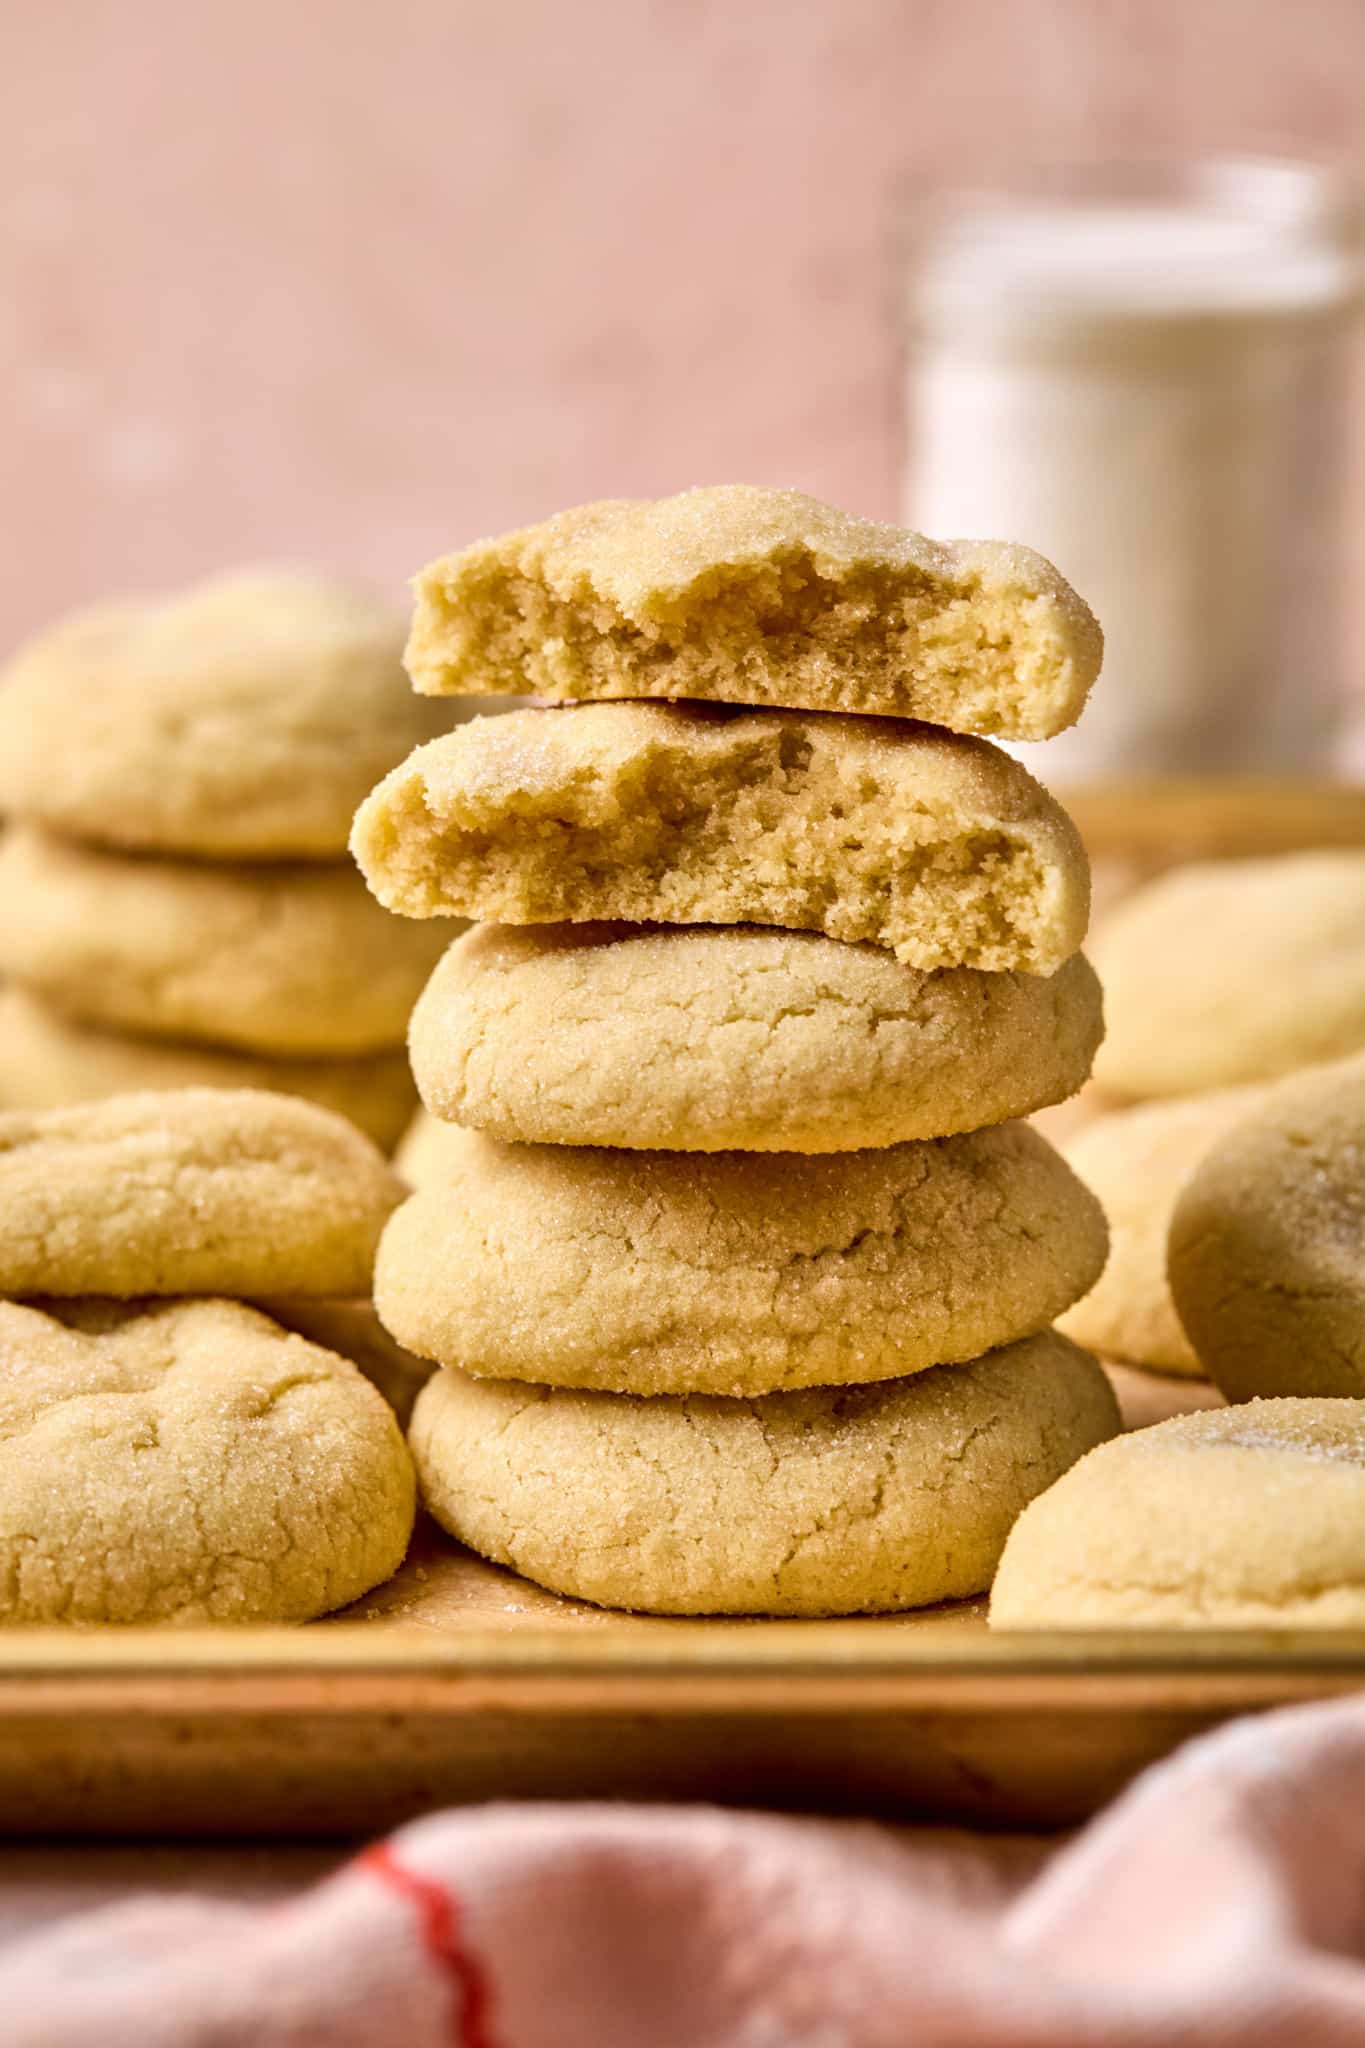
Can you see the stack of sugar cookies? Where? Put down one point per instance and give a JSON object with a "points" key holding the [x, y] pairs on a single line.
{"points": [[739, 1269], [176, 905], [168, 1453]]}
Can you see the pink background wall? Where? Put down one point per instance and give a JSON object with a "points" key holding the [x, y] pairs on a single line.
{"points": [[354, 280]]}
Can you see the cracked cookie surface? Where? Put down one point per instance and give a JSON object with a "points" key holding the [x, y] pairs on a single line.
{"points": [[1137, 1161], [749, 595], [275, 959], [1267, 1243], [244, 718], [195, 1191], [1231, 971], [732, 1272], [704, 1039], [832, 1501], [188, 1462], [1244, 1517], [939, 848], [48, 1060]]}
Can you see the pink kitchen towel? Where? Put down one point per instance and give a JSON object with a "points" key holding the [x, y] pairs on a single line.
{"points": [[1219, 1902]]}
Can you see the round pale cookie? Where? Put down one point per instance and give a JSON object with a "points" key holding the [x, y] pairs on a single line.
{"points": [[734, 1272], [703, 1039], [1233, 971], [293, 960], [244, 718], [189, 1462], [196, 1191], [48, 1060], [851, 1500], [941, 849], [1137, 1161], [1267, 1243], [1242, 1517]]}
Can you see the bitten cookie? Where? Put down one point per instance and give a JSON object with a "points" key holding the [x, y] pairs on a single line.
{"points": [[1246, 1517], [1267, 1243], [1137, 1161], [188, 1462], [199, 1191], [1233, 971], [755, 596], [292, 960], [244, 718], [48, 1060], [942, 849], [733, 1272], [704, 1039], [833, 1501]]}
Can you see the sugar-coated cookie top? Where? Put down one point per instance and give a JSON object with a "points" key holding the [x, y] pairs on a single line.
{"points": [[188, 1461], [1248, 1516]]}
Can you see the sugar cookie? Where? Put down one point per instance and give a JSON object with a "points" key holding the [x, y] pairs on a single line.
{"points": [[292, 960], [1233, 971], [197, 1191], [756, 596], [940, 848], [833, 1501], [48, 1060], [1245, 1517], [702, 1039], [243, 718], [1267, 1243], [188, 1462], [1137, 1161], [426, 1148], [735, 1272]]}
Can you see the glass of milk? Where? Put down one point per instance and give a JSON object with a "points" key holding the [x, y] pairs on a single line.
{"points": [[1142, 373]]}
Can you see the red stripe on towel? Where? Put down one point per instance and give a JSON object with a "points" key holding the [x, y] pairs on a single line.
{"points": [[439, 1921]]}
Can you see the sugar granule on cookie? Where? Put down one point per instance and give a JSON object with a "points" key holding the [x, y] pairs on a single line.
{"points": [[747, 595]]}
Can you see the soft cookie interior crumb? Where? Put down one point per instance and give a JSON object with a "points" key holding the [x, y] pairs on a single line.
{"points": [[768, 819]]}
